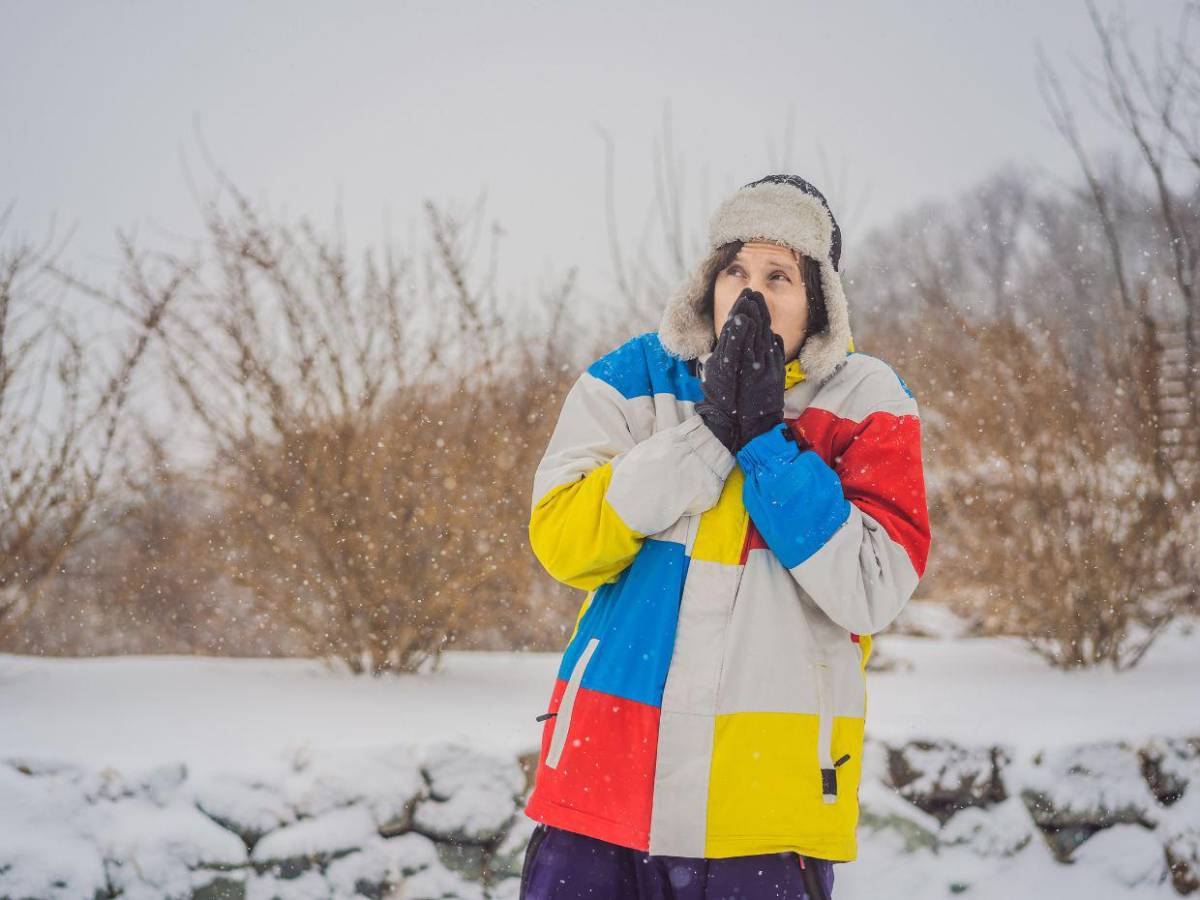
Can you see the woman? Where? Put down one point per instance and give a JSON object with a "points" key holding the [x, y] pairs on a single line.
{"points": [[741, 495]]}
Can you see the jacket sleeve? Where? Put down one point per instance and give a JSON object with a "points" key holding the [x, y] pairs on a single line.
{"points": [[599, 490], [855, 535]]}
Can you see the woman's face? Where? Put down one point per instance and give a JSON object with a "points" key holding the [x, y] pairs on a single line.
{"points": [[774, 272]]}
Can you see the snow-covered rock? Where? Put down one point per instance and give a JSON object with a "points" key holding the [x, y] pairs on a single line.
{"points": [[1179, 832], [412, 852], [440, 883], [386, 780], [1073, 792], [48, 863], [942, 777], [366, 872], [317, 825], [1169, 765], [883, 809], [310, 885], [154, 852], [44, 849], [1003, 829], [403, 866], [473, 795], [1130, 854], [250, 806], [309, 843], [1095, 784]]}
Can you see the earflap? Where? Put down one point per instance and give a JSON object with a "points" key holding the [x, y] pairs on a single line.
{"points": [[823, 351], [685, 330]]}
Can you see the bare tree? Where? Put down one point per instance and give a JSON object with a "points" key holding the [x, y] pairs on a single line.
{"points": [[1156, 105], [63, 403]]}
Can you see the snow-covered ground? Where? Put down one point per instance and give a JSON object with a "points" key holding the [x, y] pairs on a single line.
{"points": [[222, 717], [135, 711]]}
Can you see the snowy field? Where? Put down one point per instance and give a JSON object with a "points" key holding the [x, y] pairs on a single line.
{"points": [[231, 718]]}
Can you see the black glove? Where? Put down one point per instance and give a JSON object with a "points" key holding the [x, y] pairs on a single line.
{"points": [[719, 377], [761, 375]]}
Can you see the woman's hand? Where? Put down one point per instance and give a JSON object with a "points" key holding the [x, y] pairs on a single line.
{"points": [[761, 373], [720, 374]]}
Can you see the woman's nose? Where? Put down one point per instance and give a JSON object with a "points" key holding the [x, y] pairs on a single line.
{"points": [[762, 289]]}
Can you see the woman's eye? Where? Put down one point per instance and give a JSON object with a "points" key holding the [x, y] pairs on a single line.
{"points": [[737, 270]]}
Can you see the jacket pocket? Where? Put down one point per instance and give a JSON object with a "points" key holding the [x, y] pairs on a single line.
{"points": [[819, 664], [825, 759], [824, 734], [562, 721]]}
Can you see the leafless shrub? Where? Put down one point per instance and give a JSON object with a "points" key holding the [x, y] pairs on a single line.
{"points": [[63, 404], [371, 436], [1051, 515]]}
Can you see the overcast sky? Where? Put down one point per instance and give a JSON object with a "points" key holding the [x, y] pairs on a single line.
{"points": [[381, 105]]}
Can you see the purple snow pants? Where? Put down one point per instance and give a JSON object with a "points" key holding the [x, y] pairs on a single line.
{"points": [[563, 865]]}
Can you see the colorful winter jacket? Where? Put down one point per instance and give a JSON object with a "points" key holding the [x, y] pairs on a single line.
{"points": [[711, 698]]}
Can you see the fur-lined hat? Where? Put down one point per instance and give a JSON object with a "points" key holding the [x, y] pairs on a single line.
{"points": [[787, 210]]}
